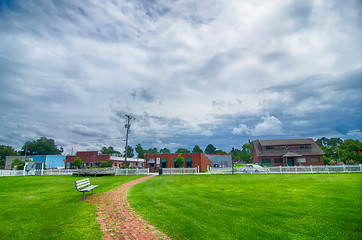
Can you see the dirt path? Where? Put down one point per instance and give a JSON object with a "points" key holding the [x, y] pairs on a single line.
{"points": [[118, 220]]}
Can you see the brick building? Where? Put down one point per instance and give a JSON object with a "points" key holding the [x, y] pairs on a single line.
{"points": [[93, 159], [289, 152], [168, 160]]}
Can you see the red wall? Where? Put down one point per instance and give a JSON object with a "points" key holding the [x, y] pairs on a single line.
{"points": [[308, 163], [88, 157], [198, 159]]}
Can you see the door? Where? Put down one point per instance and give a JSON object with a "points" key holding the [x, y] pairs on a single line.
{"points": [[290, 161], [152, 167]]}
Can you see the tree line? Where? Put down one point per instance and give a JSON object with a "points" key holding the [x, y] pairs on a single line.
{"points": [[339, 151]]}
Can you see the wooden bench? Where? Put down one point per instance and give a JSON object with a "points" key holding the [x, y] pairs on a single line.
{"points": [[84, 186]]}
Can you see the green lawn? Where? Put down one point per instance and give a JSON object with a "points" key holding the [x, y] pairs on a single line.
{"points": [[288, 206], [49, 207]]}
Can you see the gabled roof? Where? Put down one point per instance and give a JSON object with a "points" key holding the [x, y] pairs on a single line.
{"points": [[292, 149]]}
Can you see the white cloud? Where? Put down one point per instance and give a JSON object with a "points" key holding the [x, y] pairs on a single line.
{"points": [[242, 129], [270, 126]]}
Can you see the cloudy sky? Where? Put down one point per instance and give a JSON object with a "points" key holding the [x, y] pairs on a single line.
{"points": [[189, 72]]}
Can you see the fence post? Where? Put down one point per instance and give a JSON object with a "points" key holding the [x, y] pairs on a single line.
{"points": [[344, 168], [280, 169], [327, 169], [296, 169], [360, 167], [311, 169]]}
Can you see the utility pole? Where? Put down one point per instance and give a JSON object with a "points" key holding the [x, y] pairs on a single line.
{"points": [[127, 126]]}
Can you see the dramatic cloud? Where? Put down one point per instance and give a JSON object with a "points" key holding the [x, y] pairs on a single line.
{"points": [[189, 72]]}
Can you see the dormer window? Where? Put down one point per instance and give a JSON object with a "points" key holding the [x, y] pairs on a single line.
{"points": [[269, 147], [305, 146]]}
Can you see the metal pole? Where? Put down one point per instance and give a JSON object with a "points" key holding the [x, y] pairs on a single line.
{"points": [[127, 127]]}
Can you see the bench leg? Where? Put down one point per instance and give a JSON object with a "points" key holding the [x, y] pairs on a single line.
{"points": [[92, 191], [83, 196]]}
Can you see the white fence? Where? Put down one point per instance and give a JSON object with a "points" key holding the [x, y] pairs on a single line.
{"points": [[136, 171], [228, 170], [173, 171], [317, 169], [292, 169], [6, 173]]}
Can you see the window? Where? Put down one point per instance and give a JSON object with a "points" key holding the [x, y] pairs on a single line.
{"points": [[314, 159], [97, 164], [305, 146], [265, 160], [278, 160], [188, 163], [269, 147], [164, 163], [302, 160]]}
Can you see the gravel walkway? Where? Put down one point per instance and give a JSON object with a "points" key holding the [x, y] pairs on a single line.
{"points": [[118, 220]]}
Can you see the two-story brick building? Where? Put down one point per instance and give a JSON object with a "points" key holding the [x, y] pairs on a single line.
{"points": [[288, 152]]}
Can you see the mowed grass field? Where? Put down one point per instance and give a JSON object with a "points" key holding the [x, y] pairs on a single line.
{"points": [[288, 206], [49, 207]]}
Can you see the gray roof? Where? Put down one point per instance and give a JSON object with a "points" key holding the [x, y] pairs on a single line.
{"points": [[219, 159], [292, 149]]}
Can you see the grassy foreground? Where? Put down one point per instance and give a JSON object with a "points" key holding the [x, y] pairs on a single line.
{"points": [[49, 207], [303, 206]]}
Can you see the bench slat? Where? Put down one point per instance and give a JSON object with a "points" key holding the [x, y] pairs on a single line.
{"points": [[82, 185], [82, 181], [88, 188]]}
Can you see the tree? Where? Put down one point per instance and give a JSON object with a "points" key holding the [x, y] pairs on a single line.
{"points": [[197, 149], [18, 164], [140, 151], [182, 150], [77, 162], [106, 164], [179, 161], [130, 152], [210, 149], [220, 152], [332, 142], [248, 147], [41, 146], [110, 150], [349, 151], [234, 152], [152, 151], [164, 150], [241, 155], [6, 151]]}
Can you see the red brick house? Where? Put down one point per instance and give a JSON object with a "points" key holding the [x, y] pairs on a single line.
{"points": [[168, 160], [288, 152], [93, 159]]}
